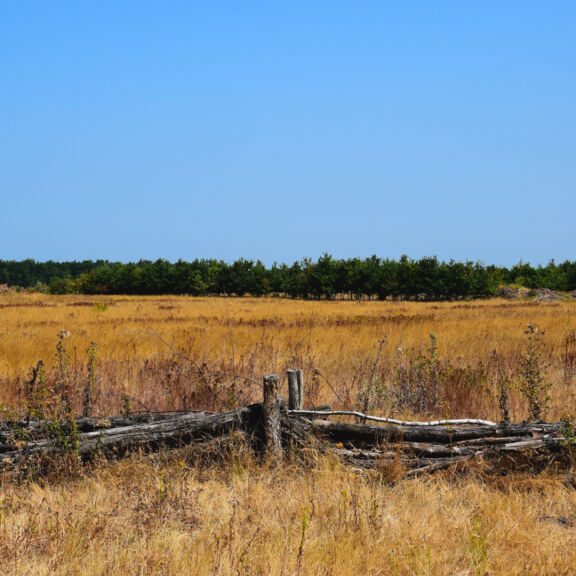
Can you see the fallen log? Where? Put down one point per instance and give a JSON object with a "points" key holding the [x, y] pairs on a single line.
{"points": [[418, 448], [368, 434], [411, 463], [535, 453], [436, 465], [36, 429], [368, 417], [170, 431], [491, 441], [434, 450], [533, 444], [424, 450]]}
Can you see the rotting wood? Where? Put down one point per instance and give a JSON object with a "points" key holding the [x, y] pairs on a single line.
{"points": [[364, 433], [491, 441], [179, 430], [300, 381], [36, 429], [271, 418], [418, 449], [294, 391], [533, 444], [436, 465], [424, 450]]}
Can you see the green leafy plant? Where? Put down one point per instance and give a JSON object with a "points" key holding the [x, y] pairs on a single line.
{"points": [[126, 405], [569, 355], [64, 433], [48, 400], [568, 430], [417, 380], [432, 365]]}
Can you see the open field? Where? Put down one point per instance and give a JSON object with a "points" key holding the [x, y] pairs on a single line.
{"points": [[175, 352], [228, 514]]}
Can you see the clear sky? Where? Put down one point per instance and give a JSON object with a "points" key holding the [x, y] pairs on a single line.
{"points": [[277, 130]]}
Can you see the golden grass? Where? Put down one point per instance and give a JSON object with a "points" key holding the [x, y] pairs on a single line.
{"points": [[164, 516], [170, 514], [240, 339]]}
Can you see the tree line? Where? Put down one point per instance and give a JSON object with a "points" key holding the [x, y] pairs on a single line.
{"points": [[424, 279]]}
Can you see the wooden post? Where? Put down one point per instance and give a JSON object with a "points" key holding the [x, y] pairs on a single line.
{"points": [[294, 398], [300, 377], [271, 416]]}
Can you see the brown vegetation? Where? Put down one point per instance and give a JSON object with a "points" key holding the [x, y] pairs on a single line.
{"points": [[165, 353], [222, 512]]}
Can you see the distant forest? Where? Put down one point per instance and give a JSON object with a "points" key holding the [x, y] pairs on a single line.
{"points": [[423, 279]]}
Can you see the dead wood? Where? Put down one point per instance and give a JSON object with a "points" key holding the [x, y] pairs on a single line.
{"points": [[426, 449], [417, 449], [173, 431], [368, 434]]}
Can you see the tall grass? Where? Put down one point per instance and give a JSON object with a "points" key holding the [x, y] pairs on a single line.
{"points": [[171, 517], [183, 353], [220, 512]]}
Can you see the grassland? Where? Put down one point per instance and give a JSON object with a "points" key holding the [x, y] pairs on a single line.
{"points": [[173, 514], [163, 351]]}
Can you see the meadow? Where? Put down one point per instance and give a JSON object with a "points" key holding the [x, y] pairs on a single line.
{"points": [[169, 353], [181, 513]]}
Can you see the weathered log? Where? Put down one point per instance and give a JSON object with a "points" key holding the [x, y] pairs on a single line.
{"points": [[418, 449], [534, 444], [294, 390], [491, 441], [271, 418], [413, 465], [296, 431], [361, 416], [438, 464], [35, 429], [89, 424], [363, 454], [434, 450], [172, 431], [426, 459], [367, 434]]}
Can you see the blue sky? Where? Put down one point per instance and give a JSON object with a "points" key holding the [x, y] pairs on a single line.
{"points": [[280, 130]]}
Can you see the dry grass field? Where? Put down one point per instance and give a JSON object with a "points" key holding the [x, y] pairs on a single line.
{"points": [[226, 513], [173, 352]]}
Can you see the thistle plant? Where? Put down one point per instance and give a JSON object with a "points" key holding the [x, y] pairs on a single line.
{"points": [[503, 384], [533, 383], [373, 388], [36, 393], [62, 384], [90, 386]]}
